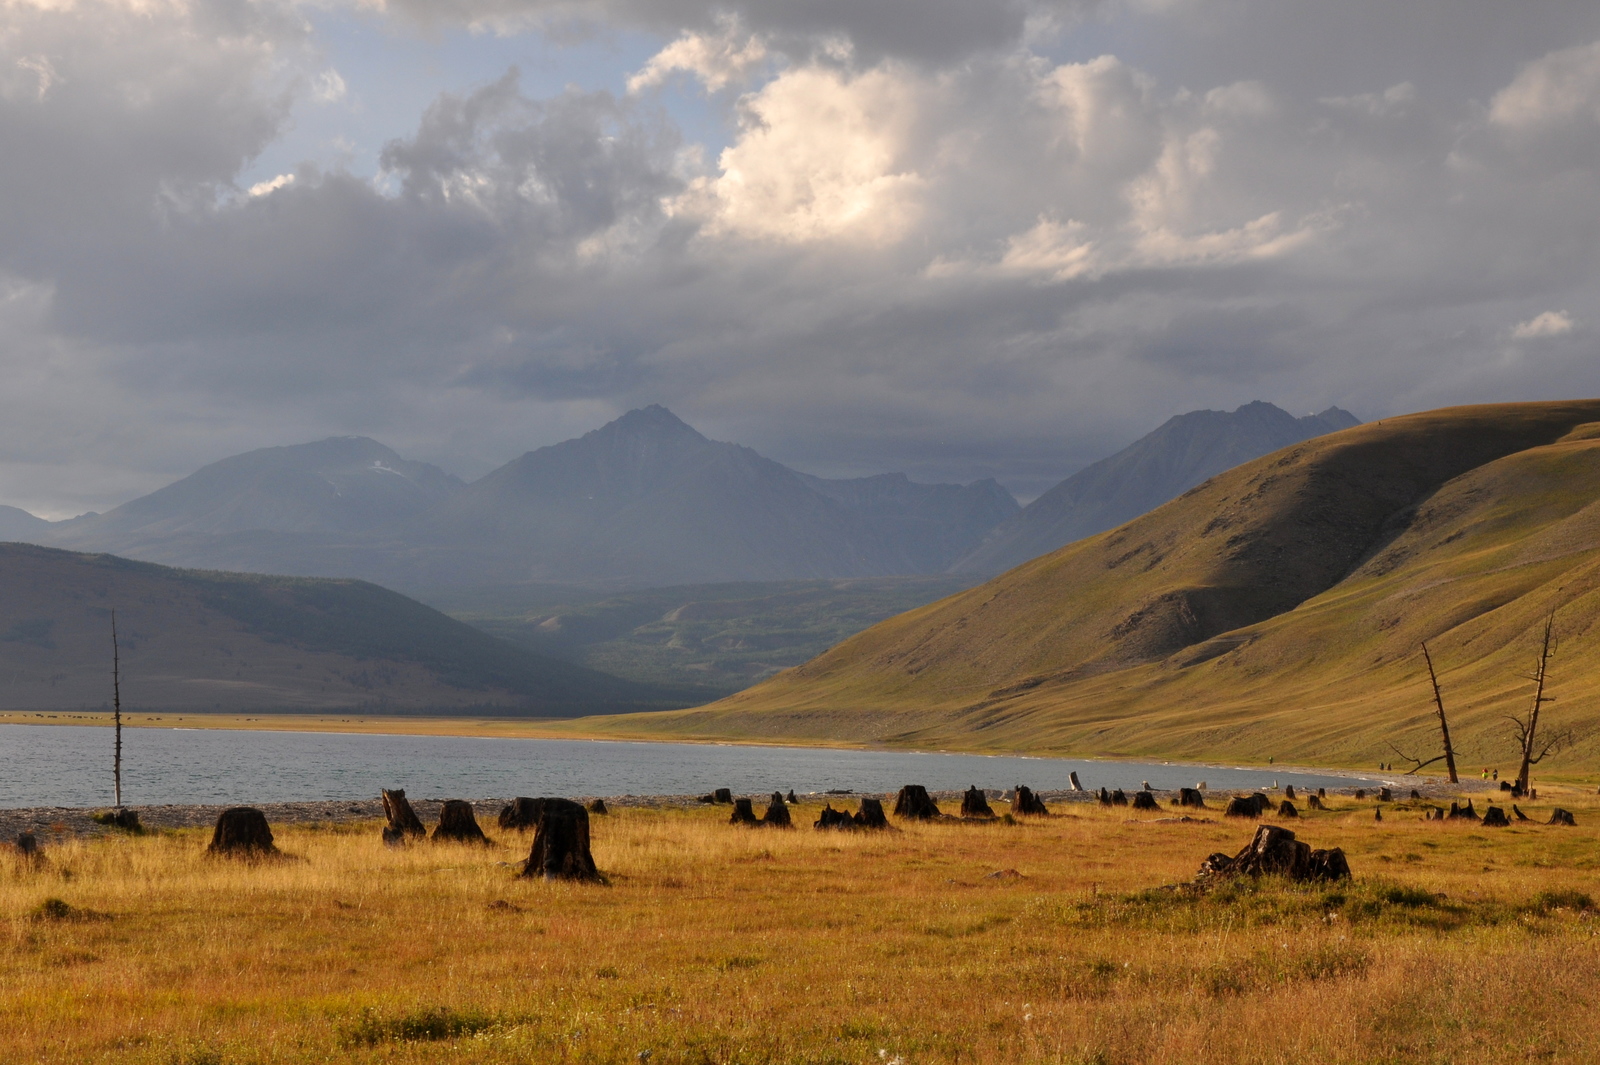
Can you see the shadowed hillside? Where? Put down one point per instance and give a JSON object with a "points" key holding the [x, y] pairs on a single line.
{"points": [[198, 641], [1274, 611]]}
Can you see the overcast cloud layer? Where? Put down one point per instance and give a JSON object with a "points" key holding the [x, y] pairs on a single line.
{"points": [[959, 238]]}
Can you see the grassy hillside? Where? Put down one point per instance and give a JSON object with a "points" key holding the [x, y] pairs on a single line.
{"points": [[194, 640], [711, 639], [1274, 611]]}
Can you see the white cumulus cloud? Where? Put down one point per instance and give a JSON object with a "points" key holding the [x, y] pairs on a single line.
{"points": [[1540, 326]]}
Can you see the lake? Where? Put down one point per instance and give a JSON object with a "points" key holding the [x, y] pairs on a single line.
{"points": [[70, 765]]}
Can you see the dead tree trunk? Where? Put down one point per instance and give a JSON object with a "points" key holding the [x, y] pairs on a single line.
{"points": [[403, 821], [1025, 802], [458, 824], [116, 710], [561, 844], [1528, 730], [975, 804], [777, 814], [916, 804], [1444, 724], [242, 832], [521, 814]]}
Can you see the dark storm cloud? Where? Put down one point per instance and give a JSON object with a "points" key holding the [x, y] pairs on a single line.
{"points": [[943, 248]]}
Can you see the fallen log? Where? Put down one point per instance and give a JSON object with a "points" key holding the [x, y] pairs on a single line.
{"points": [[915, 804], [458, 824], [561, 844], [975, 804], [1025, 803], [242, 832]]}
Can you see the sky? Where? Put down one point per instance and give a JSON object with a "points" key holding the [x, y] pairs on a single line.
{"points": [[958, 238]]}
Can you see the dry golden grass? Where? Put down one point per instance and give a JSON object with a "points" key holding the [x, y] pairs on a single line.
{"points": [[716, 944]]}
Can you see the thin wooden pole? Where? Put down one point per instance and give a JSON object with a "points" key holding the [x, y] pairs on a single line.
{"points": [[1444, 726], [116, 707]]}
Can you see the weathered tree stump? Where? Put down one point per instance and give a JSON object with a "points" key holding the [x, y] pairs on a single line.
{"points": [[458, 824], [28, 847], [1191, 797], [1322, 793], [975, 804], [831, 818], [1263, 804], [1105, 797], [1377, 813], [1361, 793], [743, 813], [792, 800], [403, 821], [1119, 798], [1239, 806], [1288, 792], [1025, 802], [1286, 809], [723, 795], [1072, 775], [1505, 785], [777, 814], [1275, 852], [598, 806], [914, 803], [1558, 816], [1383, 795], [1314, 803], [1415, 794], [561, 843], [1516, 811], [1459, 812], [242, 832], [521, 814], [1494, 817], [871, 814], [1145, 800]]}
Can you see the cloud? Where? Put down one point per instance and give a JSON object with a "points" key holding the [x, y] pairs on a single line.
{"points": [[1540, 326], [728, 57]]}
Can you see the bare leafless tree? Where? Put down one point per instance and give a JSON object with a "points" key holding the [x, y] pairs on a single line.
{"points": [[1533, 744], [1449, 755], [116, 710]]}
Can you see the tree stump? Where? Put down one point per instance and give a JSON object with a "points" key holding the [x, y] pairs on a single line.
{"points": [[1072, 775], [1314, 803], [871, 814], [914, 803], [1322, 793], [1286, 809], [1361, 793], [1377, 813], [1415, 794], [1119, 798], [792, 800], [521, 814], [403, 821], [777, 814], [1239, 806], [831, 818], [1274, 851], [975, 804], [1459, 812], [1288, 792], [743, 813], [1263, 804], [27, 846], [1494, 817], [561, 844], [1105, 797], [598, 807], [1383, 795], [1025, 802], [1144, 800], [458, 824], [1558, 816], [1191, 797], [1516, 811], [723, 795], [242, 832]]}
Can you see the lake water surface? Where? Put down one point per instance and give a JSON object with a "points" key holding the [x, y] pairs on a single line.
{"points": [[69, 765]]}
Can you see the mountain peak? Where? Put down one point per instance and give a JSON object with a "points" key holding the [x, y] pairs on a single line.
{"points": [[652, 421]]}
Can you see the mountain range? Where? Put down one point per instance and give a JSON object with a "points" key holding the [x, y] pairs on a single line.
{"points": [[1277, 610], [642, 501], [206, 642]]}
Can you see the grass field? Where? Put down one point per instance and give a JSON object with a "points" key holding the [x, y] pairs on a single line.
{"points": [[717, 944]]}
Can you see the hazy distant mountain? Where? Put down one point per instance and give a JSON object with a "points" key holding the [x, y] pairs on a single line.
{"points": [[339, 486], [648, 500], [196, 642], [18, 524], [645, 500], [1185, 451]]}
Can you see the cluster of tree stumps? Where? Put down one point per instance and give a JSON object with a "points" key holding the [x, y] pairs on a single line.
{"points": [[1274, 851]]}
